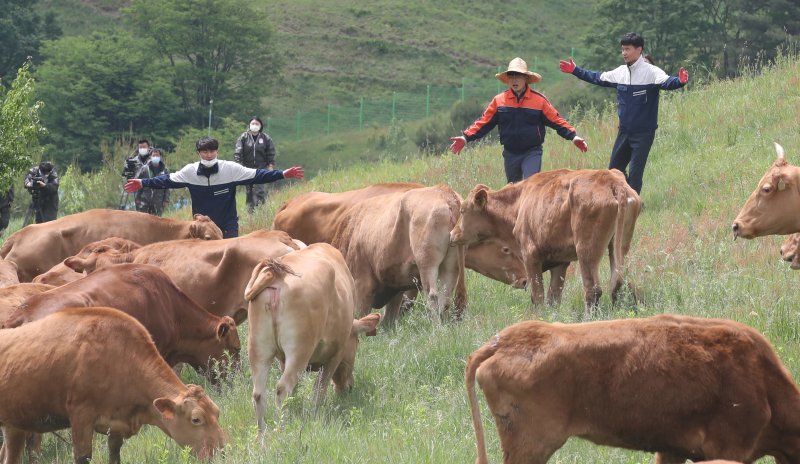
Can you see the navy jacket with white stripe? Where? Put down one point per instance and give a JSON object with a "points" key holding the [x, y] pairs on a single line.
{"points": [[638, 86], [213, 189]]}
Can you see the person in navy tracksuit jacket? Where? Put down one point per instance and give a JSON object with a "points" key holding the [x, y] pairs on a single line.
{"points": [[212, 184], [521, 115], [638, 84]]}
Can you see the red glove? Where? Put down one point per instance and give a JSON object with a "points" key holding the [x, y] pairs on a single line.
{"points": [[581, 144], [567, 67], [458, 144], [133, 185], [293, 173], [683, 75]]}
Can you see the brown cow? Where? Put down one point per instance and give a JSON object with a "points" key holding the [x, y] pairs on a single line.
{"points": [[214, 272], [679, 386], [394, 242], [13, 296], [61, 274], [8, 273], [556, 217], [183, 331], [96, 370], [38, 247], [772, 207], [301, 311], [313, 217], [789, 251]]}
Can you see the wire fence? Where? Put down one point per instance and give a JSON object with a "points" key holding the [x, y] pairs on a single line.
{"points": [[368, 113]]}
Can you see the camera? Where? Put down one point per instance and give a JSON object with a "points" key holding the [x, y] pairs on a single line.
{"points": [[130, 168], [34, 188]]}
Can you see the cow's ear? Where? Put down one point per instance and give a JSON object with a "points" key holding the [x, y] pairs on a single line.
{"points": [[481, 197], [166, 407], [781, 184], [75, 263], [367, 325], [224, 327]]}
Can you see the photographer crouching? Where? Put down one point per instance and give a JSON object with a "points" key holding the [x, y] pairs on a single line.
{"points": [[42, 183]]}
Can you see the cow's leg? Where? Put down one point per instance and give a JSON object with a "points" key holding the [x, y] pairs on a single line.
{"points": [[393, 309], [82, 433], [261, 357], [13, 445], [589, 261], [461, 300], [666, 458], [297, 357], [557, 276], [324, 380], [114, 448], [534, 270], [451, 272], [33, 445]]}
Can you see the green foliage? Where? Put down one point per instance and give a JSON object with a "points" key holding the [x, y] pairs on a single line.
{"points": [[22, 30], [82, 191], [219, 50], [20, 128], [97, 88], [433, 135]]}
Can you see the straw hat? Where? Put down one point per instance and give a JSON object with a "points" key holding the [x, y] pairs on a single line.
{"points": [[518, 65]]}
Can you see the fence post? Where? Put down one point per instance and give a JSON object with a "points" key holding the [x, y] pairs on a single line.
{"points": [[268, 118], [535, 66], [499, 70], [361, 114], [394, 104], [297, 126], [463, 83], [428, 102], [328, 123]]}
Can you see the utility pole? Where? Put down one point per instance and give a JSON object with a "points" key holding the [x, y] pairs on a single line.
{"points": [[210, 106]]}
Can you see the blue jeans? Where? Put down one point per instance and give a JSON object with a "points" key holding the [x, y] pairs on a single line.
{"points": [[520, 166], [630, 153]]}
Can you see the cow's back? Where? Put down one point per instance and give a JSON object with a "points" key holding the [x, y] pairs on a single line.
{"points": [[11, 297]]}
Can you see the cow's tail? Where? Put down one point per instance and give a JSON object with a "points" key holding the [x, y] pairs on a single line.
{"points": [[628, 207], [473, 363], [264, 274]]}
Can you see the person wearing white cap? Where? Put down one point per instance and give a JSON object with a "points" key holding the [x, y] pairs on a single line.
{"points": [[521, 115]]}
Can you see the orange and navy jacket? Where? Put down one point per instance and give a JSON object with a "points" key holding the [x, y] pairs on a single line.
{"points": [[521, 121]]}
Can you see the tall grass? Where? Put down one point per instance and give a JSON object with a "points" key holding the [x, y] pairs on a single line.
{"points": [[408, 404]]}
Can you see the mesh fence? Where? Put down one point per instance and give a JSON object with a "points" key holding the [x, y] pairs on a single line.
{"points": [[379, 113]]}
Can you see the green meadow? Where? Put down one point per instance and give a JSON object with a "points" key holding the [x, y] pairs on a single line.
{"points": [[408, 404]]}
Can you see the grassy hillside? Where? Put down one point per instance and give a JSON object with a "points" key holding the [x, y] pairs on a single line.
{"points": [[409, 404]]}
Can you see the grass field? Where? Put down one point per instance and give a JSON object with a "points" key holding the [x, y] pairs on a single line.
{"points": [[409, 405]]}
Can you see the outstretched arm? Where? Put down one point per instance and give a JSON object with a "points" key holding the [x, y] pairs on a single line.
{"points": [[592, 77]]}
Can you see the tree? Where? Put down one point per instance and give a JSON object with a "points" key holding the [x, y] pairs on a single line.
{"points": [[19, 128], [99, 87], [22, 30], [219, 49]]}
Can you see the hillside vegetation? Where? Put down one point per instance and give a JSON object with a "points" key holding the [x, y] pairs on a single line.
{"points": [[409, 405]]}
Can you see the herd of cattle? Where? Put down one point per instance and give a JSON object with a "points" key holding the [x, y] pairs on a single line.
{"points": [[86, 290]]}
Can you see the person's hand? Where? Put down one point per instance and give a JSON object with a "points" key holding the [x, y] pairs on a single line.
{"points": [[293, 173], [581, 144], [458, 144], [683, 75], [40, 184], [132, 185], [567, 66]]}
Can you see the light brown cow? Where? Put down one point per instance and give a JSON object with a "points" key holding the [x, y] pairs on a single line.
{"points": [[556, 217], [8, 273], [682, 387], [38, 247], [301, 312], [13, 296], [61, 274], [183, 331], [789, 251], [313, 217], [214, 273], [772, 207], [96, 370], [394, 242]]}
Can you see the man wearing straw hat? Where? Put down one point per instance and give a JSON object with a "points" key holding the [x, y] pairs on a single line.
{"points": [[521, 115]]}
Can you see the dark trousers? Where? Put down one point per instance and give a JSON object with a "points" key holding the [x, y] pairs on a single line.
{"points": [[5, 216], [520, 166], [256, 195], [230, 230], [630, 156]]}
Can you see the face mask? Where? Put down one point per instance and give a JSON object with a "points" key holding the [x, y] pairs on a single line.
{"points": [[255, 128], [208, 163], [155, 160], [143, 151]]}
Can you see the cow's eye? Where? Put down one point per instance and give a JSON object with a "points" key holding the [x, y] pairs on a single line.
{"points": [[766, 188], [196, 420], [506, 250]]}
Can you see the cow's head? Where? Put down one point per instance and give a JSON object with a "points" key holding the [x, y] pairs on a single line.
{"points": [[789, 251], [192, 419], [99, 257], [772, 209], [224, 349], [203, 227], [482, 216], [498, 261], [343, 377]]}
